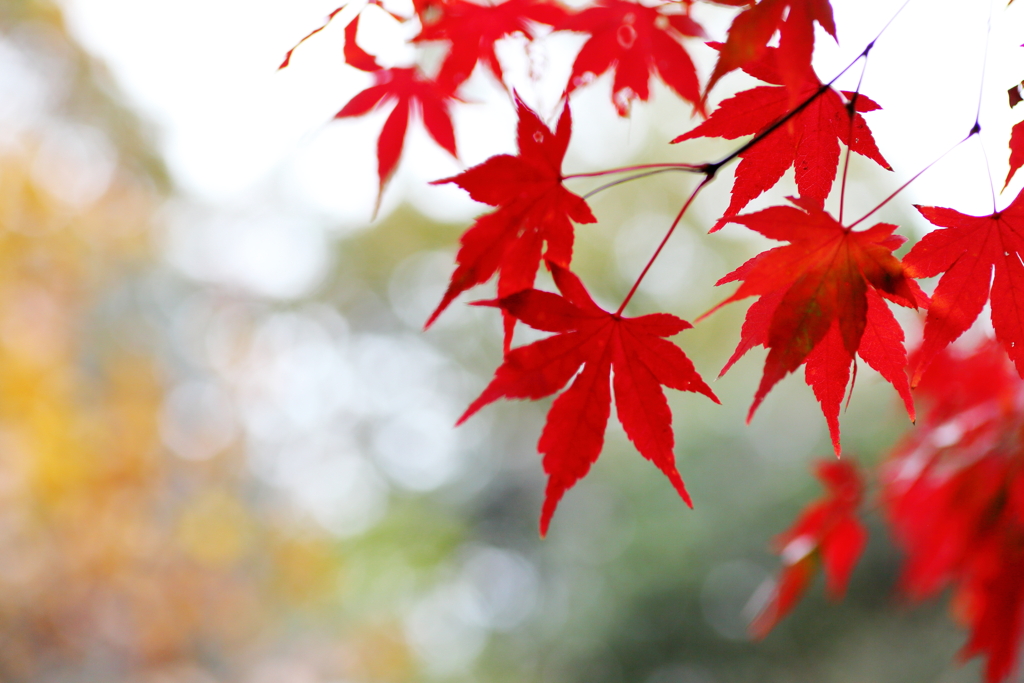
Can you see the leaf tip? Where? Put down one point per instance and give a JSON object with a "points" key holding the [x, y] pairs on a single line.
{"points": [[433, 317], [449, 296], [758, 398], [677, 483], [552, 494], [493, 303], [545, 521]]}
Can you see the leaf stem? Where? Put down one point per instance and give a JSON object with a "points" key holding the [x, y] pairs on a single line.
{"points": [[988, 170], [977, 116], [692, 168], [627, 179], [984, 62], [974, 131], [711, 169], [664, 240], [851, 109]]}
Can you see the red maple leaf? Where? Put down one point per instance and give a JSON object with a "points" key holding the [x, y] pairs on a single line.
{"points": [[409, 90], [966, 252], [534, 210], [827, 532], [821, 303], [407, 87], [754, 27], [809, 141], [629, 353], [635, 41], [954, 493], [472, 30]]}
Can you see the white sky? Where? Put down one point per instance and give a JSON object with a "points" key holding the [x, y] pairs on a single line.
{"points": [[205, 71]]}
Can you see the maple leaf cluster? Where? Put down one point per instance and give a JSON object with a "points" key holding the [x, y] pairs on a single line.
{"points": [[954, 492], [632, 40]]}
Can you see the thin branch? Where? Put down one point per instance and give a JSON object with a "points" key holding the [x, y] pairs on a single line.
{"points": [[891, 19], [977, 115], [627, 179], [974, 131], [851, 109], [711, 169], [984, 62], [693, 168]]}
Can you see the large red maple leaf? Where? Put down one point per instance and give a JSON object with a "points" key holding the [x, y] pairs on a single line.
{"points": [[821, 303], [808, 142], [635, 41], [966, 251], [631, 354], [827, 532], [535, 212], [754, 27], [473, 29], [954, 493]]}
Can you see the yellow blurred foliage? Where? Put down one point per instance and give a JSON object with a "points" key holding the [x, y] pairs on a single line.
{"points": [[100, 552], [214, 529], [114, 547]]}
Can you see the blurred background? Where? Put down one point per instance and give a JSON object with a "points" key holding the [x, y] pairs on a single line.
{"points": [[226, 446]]}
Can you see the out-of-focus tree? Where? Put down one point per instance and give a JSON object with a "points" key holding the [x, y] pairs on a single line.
{"points": [[117, 559]]}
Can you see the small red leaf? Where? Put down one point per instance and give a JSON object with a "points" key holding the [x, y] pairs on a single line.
{"points": [[534, 215], [634, 40], [753, 28], [408, 89], [828, 529]]}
